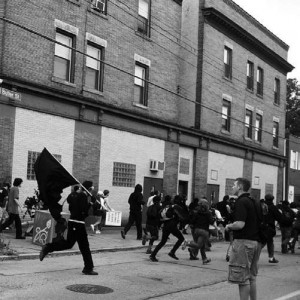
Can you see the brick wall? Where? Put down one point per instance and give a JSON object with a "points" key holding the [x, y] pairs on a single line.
{"points": [[201, 165], [7, 124], [171, 168], [86, 153]]}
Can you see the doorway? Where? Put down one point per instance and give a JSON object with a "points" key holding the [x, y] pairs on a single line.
{"points": [[150, 185], [255, 194], [183, 188], [212, 193]]}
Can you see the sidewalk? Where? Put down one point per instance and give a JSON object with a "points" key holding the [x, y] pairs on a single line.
{"points": [[109, 240]]}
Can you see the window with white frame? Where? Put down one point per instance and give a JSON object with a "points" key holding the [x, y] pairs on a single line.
{"points": [[144, 17], [258, 128], [250, 75], [275, 133], [248, 124], [63, 58], [141, 74], [94, 67], [226, 115], [260, 81], [227, 62], [294, 160]]}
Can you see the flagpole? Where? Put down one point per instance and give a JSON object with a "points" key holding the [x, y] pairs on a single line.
{"points": [[72, 175]]}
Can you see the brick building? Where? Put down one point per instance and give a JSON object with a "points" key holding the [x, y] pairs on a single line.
{"points": [[180, 96], [293, 168]]}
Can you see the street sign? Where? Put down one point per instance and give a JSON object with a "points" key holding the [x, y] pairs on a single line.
{"points": [[10, 94]]}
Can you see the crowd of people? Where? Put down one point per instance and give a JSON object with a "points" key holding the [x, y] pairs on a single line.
{"points": [[239, 219]]}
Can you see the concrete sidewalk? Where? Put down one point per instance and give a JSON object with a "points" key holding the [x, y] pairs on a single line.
{"points": [[109, 240]]}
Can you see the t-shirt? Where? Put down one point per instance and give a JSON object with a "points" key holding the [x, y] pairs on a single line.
{"points": [[12, 205], [245, 211]]}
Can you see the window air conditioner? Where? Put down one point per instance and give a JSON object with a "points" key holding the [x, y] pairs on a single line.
{"points": [[99, 5], [153, 165]]}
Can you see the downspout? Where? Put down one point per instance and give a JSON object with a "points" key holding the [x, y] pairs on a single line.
{"points": [[3, 30]]}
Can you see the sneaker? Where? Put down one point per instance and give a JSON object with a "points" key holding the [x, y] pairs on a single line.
{"points": [[93, 227], [273, 260], [184, 231], [89, 272], [153, 258], [98, 232], [123, 234], [144, 240], [43, 252], [171, 254], [184, 245], [149, 251], [206, 261]]}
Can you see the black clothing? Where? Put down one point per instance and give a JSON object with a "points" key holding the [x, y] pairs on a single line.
{"points": [[76, 233], [245, 211], [153, 215], [78, 206], [135, 211], [3, 197], [169, 227], [13, 218], [201, 220], [273, 214]]}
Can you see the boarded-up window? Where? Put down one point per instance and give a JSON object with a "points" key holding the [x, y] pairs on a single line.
{"points": [[184, 166]]}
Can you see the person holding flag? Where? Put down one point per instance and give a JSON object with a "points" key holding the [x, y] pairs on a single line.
{"points": [[79, 207], [52, 178]]}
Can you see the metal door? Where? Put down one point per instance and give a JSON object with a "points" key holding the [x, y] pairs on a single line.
{"points": [[212, 193]]}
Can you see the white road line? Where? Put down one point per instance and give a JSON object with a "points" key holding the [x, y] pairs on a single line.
{"points": [[289, 296]]}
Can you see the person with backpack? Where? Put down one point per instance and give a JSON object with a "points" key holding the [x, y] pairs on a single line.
{"points": [[152, 223], [272, 215], [200, 219], [286, 224], [170, 217], [296, 227]]}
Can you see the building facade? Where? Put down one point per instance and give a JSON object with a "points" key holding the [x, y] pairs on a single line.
{"points": [[293, 169], [180, 96]]}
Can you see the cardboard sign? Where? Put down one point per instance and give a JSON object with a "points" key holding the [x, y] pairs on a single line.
{"points": [[113, 218]]}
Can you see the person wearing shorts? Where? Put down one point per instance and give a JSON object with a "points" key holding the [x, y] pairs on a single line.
{"points": [[246, 248]]}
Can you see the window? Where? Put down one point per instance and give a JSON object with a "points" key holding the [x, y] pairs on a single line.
{"points": [[144, 17], [250, 75], [228, 62], [294, 160], [184, 166], [31, 159], [94, 68], [140, 85], [277, 91], [275, 133], [100, 6], [226, 112], [124, 174], [248, 124], [63, 59], [258, 128], [260, 80]]}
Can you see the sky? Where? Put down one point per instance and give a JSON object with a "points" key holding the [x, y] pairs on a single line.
{"points": [[282, 18]]}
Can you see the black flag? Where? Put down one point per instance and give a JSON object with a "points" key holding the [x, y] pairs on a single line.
{"points": [[52, 178]]}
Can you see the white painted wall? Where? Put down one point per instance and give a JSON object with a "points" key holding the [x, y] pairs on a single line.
{"points": [[226, 167], [266, 174], [187, 153], [33, 132], [120, 146]]}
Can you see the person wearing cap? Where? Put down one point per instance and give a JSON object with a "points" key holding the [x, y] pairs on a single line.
{"points": [[272, 216], [79, 206]]}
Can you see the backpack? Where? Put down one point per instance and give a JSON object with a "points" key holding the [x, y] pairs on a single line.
{"points": [[167, 213], [153, 212], [287, 217], [265, 231]]}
